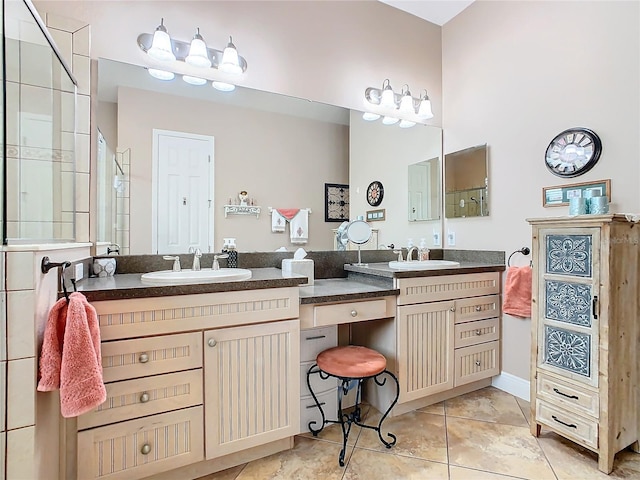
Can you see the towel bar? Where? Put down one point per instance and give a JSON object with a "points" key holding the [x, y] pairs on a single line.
{"points": [[523, 250]]}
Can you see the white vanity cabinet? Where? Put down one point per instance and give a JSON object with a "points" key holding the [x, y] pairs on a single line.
{"points": [[218, 370], [585, 334]]}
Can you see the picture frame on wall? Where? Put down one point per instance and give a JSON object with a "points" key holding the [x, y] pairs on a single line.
{"points": [[336, 202], [560, 195]]}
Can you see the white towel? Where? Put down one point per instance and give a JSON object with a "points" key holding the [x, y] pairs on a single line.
{"points": [[278, 223], [299, 227]]}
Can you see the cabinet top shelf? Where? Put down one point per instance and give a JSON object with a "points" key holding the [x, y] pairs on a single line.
{"points": [[587, 219]]}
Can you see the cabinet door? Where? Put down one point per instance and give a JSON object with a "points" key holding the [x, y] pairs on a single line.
{"points": [[425, 347], [252, 386]]}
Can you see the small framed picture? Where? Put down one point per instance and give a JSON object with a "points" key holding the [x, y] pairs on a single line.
{"points": [[336, 202], [560, 195], [375, 215]]}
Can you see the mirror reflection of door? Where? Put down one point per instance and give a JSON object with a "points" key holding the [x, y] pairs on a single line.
{"points": [[424, 179], [183, 191], [465, 178]]}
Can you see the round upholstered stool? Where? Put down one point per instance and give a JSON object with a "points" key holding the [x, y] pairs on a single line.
{"points": [[351, 364]]}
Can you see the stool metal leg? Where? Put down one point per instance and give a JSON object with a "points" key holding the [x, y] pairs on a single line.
{"points": [[314, 369], [345, 419]]}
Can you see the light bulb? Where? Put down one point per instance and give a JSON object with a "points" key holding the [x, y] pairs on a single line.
{"points": [[406, 103], [161, 44], [161, 74], [387, 98], [406, 124], [193, 80], [230, 62], [424, 112], [223, 87], [198, 55], [390, 120], [370, 117]]}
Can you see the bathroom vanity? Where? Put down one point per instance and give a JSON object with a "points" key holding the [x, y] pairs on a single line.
{"points": [[204, 377]]}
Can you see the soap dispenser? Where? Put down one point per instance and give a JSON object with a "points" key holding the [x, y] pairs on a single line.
{"points": [[229, 248], [423, 251]]}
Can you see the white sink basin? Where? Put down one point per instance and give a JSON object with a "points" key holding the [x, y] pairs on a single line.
{"points": [[206, 275], [423, 265]]}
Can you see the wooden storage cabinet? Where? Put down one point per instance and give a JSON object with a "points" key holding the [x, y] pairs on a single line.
{"points": [[585, 332], [447, 332]]}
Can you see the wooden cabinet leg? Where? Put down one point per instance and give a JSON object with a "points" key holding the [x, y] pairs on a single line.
{"points": [[536, 428], [605, 461], [635, 446]]}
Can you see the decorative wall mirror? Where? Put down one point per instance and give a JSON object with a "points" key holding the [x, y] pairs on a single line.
{"points": [[466, 183], [424, 191]]}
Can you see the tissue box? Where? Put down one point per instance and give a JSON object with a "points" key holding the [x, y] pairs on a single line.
{"points": [[300, 267]]}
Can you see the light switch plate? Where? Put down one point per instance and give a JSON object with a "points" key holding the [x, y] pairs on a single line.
{"points": [[436, 238], [451, 238], [79, 271]]}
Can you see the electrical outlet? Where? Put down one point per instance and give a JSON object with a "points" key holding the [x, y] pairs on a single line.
{"points": [[436, 238], [451, 238], [79, 271]]}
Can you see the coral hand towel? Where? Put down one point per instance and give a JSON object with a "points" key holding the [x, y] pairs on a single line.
{"points": [[70, 359], [517, 292]]}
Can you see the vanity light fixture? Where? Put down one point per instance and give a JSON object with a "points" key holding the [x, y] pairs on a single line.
{"points": [[162, 48], [393, 108]]}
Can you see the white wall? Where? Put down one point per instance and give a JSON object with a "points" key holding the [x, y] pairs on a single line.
{"points": [[514, 75]]}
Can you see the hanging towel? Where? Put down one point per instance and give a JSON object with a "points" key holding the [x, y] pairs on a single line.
{"points": [[278, 223], [517, 292], [70, 359], [299, 227]]}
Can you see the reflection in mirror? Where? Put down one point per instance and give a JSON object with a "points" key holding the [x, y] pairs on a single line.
{"points": [[465, 178], [424, 197]]}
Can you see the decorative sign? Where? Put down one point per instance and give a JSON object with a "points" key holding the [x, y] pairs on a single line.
{"points": [[375, 215], [336, 202], [561, 194]]}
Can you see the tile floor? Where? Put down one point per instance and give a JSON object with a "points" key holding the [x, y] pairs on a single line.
{"points": [[483, 435]]}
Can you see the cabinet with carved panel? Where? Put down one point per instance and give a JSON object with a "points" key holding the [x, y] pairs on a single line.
{"points": [[584, 331]]}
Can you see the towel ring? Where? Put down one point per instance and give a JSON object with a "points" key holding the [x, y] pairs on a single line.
{"points": [[523, 250]]}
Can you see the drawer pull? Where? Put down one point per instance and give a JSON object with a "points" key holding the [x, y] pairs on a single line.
{"points": [[146, 449], [594, 306], [317, 337], [478, 332], [477, 363], [570, 425], [452, 309], [354, 313], [143, 358], [212, 342], [575, 397], [144, 398], [478, 308], [315, 406]]}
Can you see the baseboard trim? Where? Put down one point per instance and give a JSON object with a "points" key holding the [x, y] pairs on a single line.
{"points": [[511, 384]]}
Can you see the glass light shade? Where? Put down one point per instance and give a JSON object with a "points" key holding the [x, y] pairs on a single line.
{"points": [[161, 45], [388, 98], [424, 111], [198, 55], [223, 87], [406, 124], [193, 80], [161, 74], [390, 120], [230, 62], [406, 104], [370, 117]]}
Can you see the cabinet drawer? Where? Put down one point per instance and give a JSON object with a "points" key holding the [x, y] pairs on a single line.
{"points": [[567, 395], [447, 287], [472, 333], [146, 396], [476, 362], [139, 448], [142, 357], [349, 312], [572, 425], [309, 411], [477, 308], [315, 340], [318, 384]]}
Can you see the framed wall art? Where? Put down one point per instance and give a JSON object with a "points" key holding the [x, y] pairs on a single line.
{"points": [[560, 195], [336, 202]]}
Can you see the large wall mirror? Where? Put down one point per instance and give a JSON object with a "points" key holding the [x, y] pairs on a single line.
{"points": [[466, 182], [280, 150]]}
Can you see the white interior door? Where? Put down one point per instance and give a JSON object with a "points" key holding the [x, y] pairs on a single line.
{"points": [[184, 192]]}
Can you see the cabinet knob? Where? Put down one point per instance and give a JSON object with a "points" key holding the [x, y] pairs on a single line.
{"points": [[144, 398], [143, 358], [478, 332], [478, 308], [354, 313], [212, 342], [453, 309], [146, 449], [477, 363]]}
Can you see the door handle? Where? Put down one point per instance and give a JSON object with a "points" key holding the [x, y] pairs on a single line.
{"points": [[594, 306]]}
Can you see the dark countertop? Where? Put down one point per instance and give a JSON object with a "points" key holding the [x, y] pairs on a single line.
{"points": [[383, 270], [129, 285], [342, 290]]}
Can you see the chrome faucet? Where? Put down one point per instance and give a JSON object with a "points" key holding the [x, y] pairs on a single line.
{"points": [[115, 249], [176, 261], [196, 258], [216, 265], [410, 253]]}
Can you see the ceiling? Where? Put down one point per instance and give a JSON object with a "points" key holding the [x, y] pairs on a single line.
{"points": [[434, 11]]}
